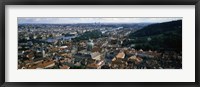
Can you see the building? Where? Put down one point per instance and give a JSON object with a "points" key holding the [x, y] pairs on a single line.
{"points": [[95, 65], [96, 56], [42, 64], [118, 61], [135, 59], [90, 45], [64, 67], [81, 56]]}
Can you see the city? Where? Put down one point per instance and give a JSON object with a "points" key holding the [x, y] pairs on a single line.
{"points": [[100, 45]]}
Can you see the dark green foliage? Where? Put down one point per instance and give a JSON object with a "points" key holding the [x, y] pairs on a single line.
{"points": [[88, 35], [66, 35], [158, 28], [163, 36]]}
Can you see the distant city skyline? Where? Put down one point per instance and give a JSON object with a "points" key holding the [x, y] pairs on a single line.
{"points": [[54, 20]]}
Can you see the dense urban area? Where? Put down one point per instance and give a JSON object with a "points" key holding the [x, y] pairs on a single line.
{"points": [[100, 46]]}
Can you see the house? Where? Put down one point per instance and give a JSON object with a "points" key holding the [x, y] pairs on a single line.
{"points": [[118, 61]]}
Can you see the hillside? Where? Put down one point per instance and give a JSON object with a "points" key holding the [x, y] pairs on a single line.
{"points": [[161, 36], [158, 28]]}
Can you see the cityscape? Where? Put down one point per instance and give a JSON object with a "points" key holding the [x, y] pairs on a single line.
{"points": [[99, 43]]}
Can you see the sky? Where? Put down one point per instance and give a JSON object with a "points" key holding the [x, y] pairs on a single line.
{"points": [[55, 20]]}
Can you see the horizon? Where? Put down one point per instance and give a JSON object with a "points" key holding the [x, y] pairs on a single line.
{"points": [[48, 20]]}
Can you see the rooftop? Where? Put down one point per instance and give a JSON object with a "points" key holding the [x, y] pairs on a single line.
{"points": [[120, 55]]}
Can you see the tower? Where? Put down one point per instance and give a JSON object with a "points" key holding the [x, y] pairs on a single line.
{"points": [[43, 53], [90, 45]]}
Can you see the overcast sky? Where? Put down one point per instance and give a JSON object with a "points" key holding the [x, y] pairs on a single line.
{"points": [[92, 20]]}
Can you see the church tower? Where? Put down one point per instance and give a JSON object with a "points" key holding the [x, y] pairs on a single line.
{"points": [[90, 45]]}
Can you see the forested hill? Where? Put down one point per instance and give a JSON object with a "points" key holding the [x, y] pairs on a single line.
{"points": [[161, 36], [159, 28]]}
